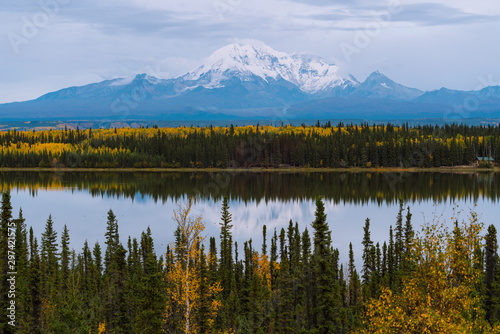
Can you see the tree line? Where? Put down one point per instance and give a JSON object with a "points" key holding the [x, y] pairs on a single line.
{"points": [[349, 187], [436, 279], [344, 145]]}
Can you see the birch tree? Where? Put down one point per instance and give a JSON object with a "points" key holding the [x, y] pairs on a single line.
{"points": [[184, 280]]}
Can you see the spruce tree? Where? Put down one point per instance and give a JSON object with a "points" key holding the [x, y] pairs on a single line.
{"points": [[367, 258], [491, 286], [65, 258], [306, 279], [325, 299], [22, 269], [408, 241], [226, 257], [35, 287], [284, 306], [50, 260], [399, 237], [116, 309], [354, 294], [149, 315], [98, 258], [391, 268], [112, 239]]}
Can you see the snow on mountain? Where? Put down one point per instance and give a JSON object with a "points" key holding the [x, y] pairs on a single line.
{"points": [[247, 80], [310, 73], [378, 85]]}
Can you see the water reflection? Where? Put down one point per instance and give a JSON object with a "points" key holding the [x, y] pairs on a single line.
{"points": [[81, 200], [355, 188]]}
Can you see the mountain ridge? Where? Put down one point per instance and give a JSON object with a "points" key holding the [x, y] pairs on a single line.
{"points": [[247, 80]]}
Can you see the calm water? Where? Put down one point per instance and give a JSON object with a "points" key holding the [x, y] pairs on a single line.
{"points": [[82, 200]]}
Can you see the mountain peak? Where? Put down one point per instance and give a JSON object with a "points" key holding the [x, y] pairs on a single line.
{"points": [[377, 85], [311, 74], [377, 75]]}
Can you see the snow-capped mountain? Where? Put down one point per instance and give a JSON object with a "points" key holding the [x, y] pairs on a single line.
{"points": [[146, 85], [311, 74], [378, 85], [247, 82]]}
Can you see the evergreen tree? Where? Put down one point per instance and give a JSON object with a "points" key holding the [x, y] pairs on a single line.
{"points": [[306, 279], [326, 289], [226, 257], [35, 287], [98, 259], [408, 241], [151, 302], [399, 237], [22, 269], [226, 261], [391, 268], [65, 258], [354, 288], [112, 239], [50, 271], [117, 316], [367, 256], [491, 285]]}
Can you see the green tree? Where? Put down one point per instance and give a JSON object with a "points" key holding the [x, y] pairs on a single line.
{"points": [[326, 289], [151, 301], [226, 257], [35, 287], [440, 295], [65, 258], [354, 289], [50, 257], [367, 258], [22, 269], [491, 284], [112, 239]]}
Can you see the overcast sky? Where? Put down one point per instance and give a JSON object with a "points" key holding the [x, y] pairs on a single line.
{"points": [[52, 44]]}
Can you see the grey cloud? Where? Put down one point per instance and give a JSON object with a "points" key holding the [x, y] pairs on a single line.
{"points": [[424, 14], [323, 3], [432, 14], [109, 17], [121, 20], [126, 20]]}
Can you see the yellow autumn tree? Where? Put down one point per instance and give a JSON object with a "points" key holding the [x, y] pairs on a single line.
{"points": [[183, 275], [439, 294]]}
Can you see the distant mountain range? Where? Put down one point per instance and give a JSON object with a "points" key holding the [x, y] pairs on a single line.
{"points": [[256, 82]]}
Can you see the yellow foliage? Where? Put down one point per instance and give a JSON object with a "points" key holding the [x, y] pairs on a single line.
{"points": [[49, 309], [262, 268], [438, 295], [184, 277]]}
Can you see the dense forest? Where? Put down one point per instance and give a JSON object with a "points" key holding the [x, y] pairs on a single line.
{"points": [[251, 146], [437, 279]]}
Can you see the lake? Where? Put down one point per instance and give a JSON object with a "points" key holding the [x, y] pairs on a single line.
{"points": [[82, 200]]}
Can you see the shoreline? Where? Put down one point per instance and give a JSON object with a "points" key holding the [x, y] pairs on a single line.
{"points": [[458, 169]]}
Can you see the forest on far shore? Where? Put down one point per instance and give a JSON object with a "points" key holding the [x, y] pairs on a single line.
{"points": [[440, 278], [322, 145]]}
